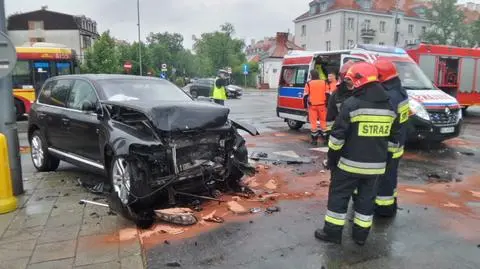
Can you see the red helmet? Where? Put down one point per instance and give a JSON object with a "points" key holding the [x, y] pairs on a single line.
{"points": [[362, 73], [386, 70], [345, 67]]}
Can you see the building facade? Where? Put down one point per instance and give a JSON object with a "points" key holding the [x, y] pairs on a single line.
{"points": [[76, 32], [339, 24]]}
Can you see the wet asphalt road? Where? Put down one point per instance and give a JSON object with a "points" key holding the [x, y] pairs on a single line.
{"points": [[439, 228]]}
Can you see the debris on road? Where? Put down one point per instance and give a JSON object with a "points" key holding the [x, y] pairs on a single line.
{"points": [[173, 264], [180, 216], [273, 209], [255, 210], [289, 153], [213, 218], [415, 190], [451, 205], [236, 208], [475, 193], [82, 202], [271, 184], [261, 156], [321, 149], [467, 153]]}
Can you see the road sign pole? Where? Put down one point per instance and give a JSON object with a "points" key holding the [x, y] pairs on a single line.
{"points": [[8, 124], [245, 81]]}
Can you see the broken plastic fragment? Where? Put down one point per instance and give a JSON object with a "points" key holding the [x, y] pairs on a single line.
{"points": [[475, 193], [415, 190], [273, 209], [236, 208], [180, 216], [452, 205], [255, 210], [271, 184]]}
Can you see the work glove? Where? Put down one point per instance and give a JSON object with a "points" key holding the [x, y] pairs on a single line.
{"points": [[333, 158]]}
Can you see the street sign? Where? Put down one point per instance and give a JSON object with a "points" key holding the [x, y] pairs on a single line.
{"points": [[127, 66], [245, 69], [163, 75], [8, 55], [164, 67]]}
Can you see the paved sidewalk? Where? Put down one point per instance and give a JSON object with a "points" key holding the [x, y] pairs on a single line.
{"points": [[52, 230]]}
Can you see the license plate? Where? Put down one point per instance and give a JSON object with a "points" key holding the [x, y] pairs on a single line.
{"points": [[447, 130]]}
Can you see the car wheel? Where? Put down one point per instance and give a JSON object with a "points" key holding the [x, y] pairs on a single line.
{"points": [[126, 192], [294, 125], [19, 109], [194, 93], [41, 158]]}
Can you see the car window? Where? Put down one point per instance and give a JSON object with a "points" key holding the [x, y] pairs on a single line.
{"points": [[294, 76], [56, 93], [81, 93]]}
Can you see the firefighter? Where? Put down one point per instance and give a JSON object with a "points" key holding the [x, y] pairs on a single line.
{"points": [[219, 93], [357, 155], [315, 97], [386, 201]]}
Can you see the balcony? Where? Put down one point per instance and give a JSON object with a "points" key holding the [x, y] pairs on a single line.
{"points": [[367, 33]]}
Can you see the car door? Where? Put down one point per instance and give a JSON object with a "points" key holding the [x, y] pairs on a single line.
{"points": [[83, 123], [52, 109]]}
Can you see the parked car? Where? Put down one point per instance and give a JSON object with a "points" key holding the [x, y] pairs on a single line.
{"points": [[149, 137], [204, 87]]}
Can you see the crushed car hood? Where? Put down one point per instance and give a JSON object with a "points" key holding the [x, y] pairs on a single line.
{"points": [[179, 116]]}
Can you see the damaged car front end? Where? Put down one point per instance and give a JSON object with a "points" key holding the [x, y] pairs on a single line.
{"points": [[157, 152]]}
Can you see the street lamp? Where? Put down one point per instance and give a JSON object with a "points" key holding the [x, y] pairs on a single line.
{"points": [[139, 40]]}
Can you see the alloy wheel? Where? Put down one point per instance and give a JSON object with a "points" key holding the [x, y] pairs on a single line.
{"points": [[121, 180], [38, 156]]}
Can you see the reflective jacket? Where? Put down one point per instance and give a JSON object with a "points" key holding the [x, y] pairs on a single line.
{"points": [[219, 92], [316, 91], [360, 136], [335, 102], [320, 71], [399, 101]]}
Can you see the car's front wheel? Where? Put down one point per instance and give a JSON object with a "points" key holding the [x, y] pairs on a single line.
{"points": [[41, 158], [294, 125], [128, 193]]}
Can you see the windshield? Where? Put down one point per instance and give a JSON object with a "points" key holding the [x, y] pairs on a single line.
{"points": [[412, 76], [142, 90]]}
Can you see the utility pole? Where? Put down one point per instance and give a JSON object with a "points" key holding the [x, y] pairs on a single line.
{"points": [[8, 123], [139, 39]]}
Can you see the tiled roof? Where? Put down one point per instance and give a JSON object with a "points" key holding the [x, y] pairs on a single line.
{"points": [[377, 6]]}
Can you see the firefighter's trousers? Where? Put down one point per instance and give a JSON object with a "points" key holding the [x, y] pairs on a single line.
{"points": [[317, 113], [386, 201], [341, 189]]}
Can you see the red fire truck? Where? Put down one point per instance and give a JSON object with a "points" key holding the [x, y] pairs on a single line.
{"points": [[454, 70]]}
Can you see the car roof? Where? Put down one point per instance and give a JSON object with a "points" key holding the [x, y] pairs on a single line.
{"points": [[97, 77]]}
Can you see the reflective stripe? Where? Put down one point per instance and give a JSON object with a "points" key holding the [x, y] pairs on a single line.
{"points": [[385, 200], [398, 153], [395, 193], [403, 110], [362, 168], [334, 143], [335, 218], [403, 104], [355, 191], [372, 111], [363, 221], [372, 118], [393, 147], [336, 215], [330, 123]]}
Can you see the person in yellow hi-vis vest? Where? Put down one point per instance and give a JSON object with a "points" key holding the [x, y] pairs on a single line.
{"points": [[321, 72], [219, 93]]}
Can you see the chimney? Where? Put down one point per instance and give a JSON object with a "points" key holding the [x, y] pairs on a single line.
{"points": [[45, 7], [282, 38]]}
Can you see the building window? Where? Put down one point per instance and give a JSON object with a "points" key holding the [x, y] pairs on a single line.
{"points": [[35, 25], [382, 26], [350, 23], [329, 25], [349, 44], [37, 39], [304, 30], [323, 6], [313, 10], [410, 28], [328, 46], [366, 41], [381, 43], [424, 29], [304, 46], [366, 24]]}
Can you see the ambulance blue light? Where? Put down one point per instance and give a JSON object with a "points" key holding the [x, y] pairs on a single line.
{"points": [[379, 48]]}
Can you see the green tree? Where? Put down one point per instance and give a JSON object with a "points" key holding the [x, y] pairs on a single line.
{"points": [[474, 30], [447, 24], [103, 56]]}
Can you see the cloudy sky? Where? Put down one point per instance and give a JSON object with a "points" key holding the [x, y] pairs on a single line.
{"points": [[252, 18]]}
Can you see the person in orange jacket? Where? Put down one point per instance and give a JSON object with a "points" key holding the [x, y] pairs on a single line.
{"points": [[316, 98], [332, 82]]}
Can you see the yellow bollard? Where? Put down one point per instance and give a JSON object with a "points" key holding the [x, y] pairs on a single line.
{"points": [[8, 202]]}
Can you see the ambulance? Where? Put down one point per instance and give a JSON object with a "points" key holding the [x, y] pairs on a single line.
{"points": [[435, 116]]}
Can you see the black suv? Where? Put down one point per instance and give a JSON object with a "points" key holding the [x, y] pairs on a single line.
{"points": [[148, 136]]}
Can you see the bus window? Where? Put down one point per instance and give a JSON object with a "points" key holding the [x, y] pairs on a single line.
{"points": [[42, 71], [63, 68], [21, 76]]}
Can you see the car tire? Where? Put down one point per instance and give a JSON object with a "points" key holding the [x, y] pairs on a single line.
{"points": [[241, 155], [294, 125], [194, 93], [19, 109], [125, 188], [42, 160]]}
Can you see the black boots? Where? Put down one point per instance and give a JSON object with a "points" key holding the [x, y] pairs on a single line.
{"points": [[321, 235], [314, 136]]}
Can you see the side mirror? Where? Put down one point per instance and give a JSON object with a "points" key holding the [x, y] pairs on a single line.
{"points": [[88, 106]]}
